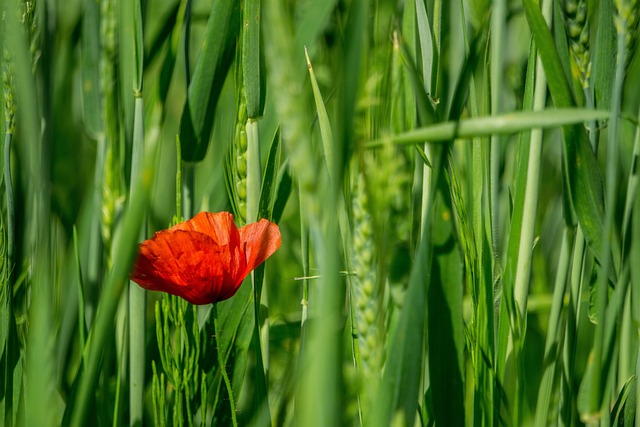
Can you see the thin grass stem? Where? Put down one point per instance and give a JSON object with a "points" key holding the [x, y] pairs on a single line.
{"points": [[613, 146], [555, 337]]}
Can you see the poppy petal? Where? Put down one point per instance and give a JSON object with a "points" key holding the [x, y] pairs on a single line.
{"points": [[204, 259], [221, 228], [259, 241], [184, 263]]}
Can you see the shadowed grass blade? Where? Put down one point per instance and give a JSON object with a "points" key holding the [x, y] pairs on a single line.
{"points": [[211, 70]]}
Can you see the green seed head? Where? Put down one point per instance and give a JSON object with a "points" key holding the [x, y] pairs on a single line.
{"points": [[577, 26], [241, 188]]}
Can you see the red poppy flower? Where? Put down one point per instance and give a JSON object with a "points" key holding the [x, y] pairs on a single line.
{"points": [[205, 259]]}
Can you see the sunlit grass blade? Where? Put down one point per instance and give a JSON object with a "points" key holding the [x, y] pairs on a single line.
{"points": [[505, 124], [323, 121]]}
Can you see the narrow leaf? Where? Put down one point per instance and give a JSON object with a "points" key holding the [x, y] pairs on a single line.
{"points": [[581, 166], [211, 70]]}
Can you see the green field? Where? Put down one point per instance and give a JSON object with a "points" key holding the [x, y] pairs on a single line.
{"points": [[455, 185]]}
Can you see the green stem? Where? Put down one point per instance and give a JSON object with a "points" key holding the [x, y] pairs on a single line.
{"points": [[571, 326], [9, 351], [632, 191], [597, 394], [188, 190], [555, 331], [530, 205], [637, 424], [304, 243], [261, 334], [498, 24], [254, 173], [9, 197], [95, 261], [137, 295]]}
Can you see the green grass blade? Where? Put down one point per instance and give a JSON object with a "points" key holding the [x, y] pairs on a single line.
{"points": [[398, 393], [426, 112], [126, 248], [323, 120], [428, 50], [90, 68], [211, 70], [605, 52], [503, 124], [320, 373], [138, 47], [252, 59], [602, 345], [269, 180], [355, 52], [223, 369], [401, 380], [40, 405], [174, 27], [314, 16], [81, 302], [554, 341], [507, 308], [521, 235], [562, 46], [444, 317], [581, 166], [168, 23]]}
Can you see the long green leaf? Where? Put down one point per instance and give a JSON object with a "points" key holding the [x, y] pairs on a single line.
{"points": [[604, 60], [484, 126], [211, 70], [252, 59], [581, 166], [445, 327]]}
